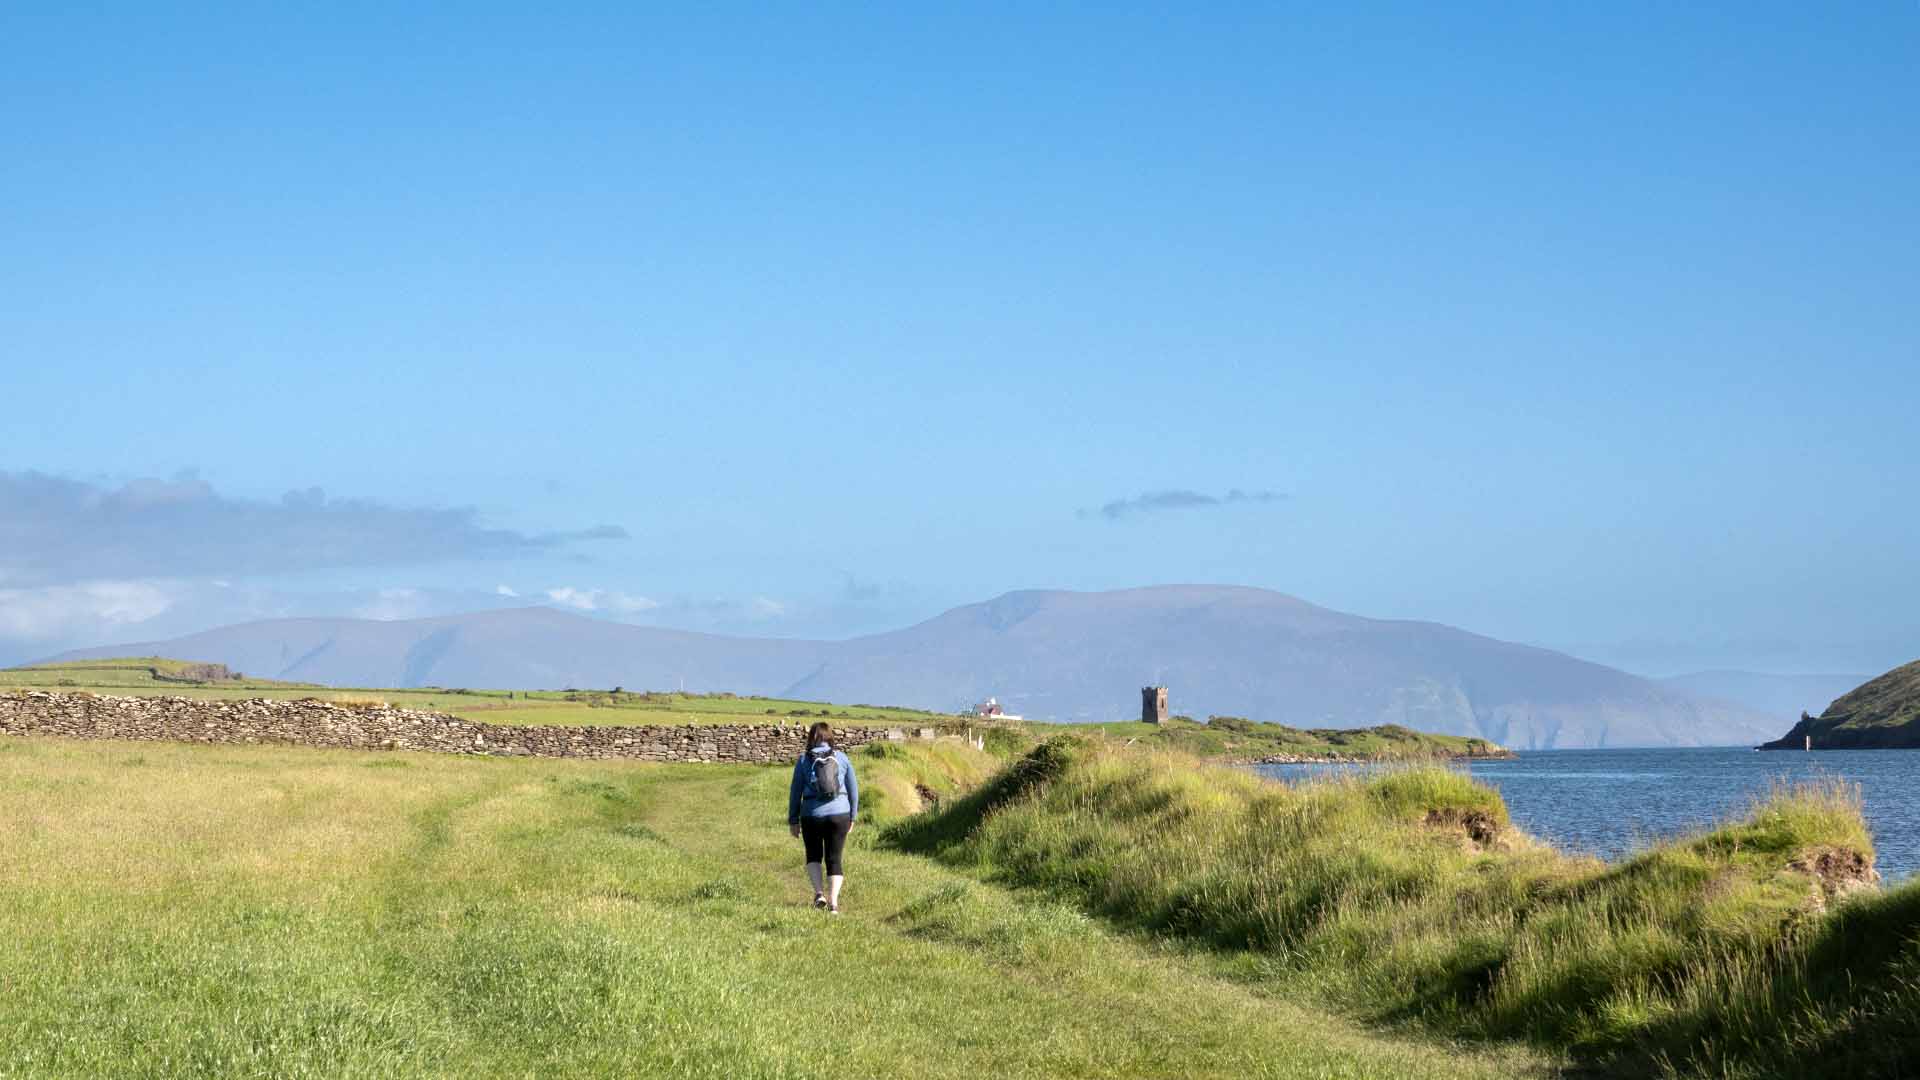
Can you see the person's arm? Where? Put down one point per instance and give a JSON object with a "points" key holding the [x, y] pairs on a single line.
{"points": [[793, 795], [853, 789]]}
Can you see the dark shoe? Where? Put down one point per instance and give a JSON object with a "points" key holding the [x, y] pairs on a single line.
{"points": [[834, 910], [819, 900]]}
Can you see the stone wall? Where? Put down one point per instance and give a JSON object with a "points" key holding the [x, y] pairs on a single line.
{"points": [[310, 722]]}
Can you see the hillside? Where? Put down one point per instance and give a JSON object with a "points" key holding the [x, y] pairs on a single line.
{"points": [[519, 647], [1884, 713], [1049, 655], [1262, 655]]}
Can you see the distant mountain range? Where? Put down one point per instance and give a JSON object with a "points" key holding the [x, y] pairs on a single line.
{"points": [[1048, 654]]}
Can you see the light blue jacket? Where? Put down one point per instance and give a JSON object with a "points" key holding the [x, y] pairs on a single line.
{"points": [[803, 802]]}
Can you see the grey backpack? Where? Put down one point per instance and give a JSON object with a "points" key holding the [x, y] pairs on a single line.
{"points": [[826, 777]]}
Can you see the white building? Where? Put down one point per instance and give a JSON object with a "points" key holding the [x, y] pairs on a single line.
{"points": [[991, 709]]}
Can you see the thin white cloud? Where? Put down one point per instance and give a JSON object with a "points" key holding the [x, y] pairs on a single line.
{"points": [[57, 611], [608, 600], [568, 596], [505, 590], [391, 604]]}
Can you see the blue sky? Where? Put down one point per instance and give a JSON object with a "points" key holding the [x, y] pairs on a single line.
{"points": [[1592, 329]]}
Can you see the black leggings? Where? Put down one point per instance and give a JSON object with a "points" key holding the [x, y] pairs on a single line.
{"points": [[828, 836]]}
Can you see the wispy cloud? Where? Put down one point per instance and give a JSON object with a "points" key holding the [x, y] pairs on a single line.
{"points": [[55, 611], [612, 601], [56, 531], [390, 604], [1154, 502]]}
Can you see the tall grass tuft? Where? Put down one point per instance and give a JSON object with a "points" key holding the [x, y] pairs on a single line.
{"points": [[1408, 895]]}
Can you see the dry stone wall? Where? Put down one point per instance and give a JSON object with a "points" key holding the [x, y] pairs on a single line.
{"points": [[310, 722]]}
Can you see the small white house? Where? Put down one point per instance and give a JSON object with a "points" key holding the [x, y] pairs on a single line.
{"points": [[991, 709]]}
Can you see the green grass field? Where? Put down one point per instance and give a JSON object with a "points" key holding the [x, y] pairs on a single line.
{"points": [[603, 707], [176, 911]]}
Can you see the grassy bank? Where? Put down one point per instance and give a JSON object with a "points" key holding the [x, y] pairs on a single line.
{"points": [[1408, 897], [176, 910]]}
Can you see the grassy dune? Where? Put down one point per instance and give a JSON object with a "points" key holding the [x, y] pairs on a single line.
{"points": [[1409, 898], [177, 911]]}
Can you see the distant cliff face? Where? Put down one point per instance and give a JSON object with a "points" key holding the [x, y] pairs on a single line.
{"points": [[1046, 654], [1882, 714]]}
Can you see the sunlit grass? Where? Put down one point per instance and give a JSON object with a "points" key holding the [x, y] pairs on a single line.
{"points": [[1407, 895], [175, 910]]}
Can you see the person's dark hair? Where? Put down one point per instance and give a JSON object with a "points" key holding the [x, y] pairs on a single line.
{"points": [[820, 734]]}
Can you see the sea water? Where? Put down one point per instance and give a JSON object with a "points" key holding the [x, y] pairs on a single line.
{"points": [[1611, 803]]}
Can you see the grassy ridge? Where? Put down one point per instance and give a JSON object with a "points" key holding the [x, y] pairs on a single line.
{"points": [[1409, 897], [193, 911]]}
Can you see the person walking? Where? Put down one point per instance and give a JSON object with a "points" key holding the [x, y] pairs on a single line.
{"points": [[821, 803]]}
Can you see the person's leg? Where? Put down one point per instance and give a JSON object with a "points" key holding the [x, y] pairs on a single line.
{"points": [[815, 839], [836, 843]]}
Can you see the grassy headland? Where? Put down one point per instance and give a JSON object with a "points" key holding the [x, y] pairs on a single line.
{"points": [[1231, 738], [193, 911], [1408, 897], [1881, 714]]}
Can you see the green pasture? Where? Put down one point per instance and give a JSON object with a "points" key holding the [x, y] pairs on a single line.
{"points": [[136, 676], [194, 911]]}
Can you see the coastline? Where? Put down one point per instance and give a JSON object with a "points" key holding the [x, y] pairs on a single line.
{"points": [[1500, 754]]}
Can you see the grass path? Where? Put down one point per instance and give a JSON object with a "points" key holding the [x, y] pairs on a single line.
{"points": [[207, 911]]}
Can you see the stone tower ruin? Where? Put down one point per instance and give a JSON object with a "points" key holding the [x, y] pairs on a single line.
{"points": [[1153, 704]]}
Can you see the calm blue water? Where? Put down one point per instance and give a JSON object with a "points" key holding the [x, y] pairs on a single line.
{"points": [[1610, 802]]}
